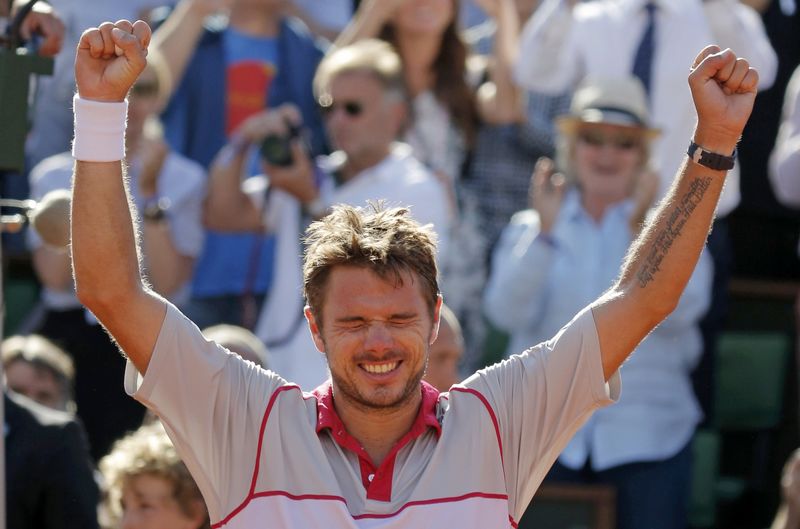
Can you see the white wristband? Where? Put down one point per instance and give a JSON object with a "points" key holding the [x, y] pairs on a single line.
{"points": [[99, 130]]}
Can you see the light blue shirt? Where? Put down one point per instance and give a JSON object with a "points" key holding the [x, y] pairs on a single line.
{"points": [[536, 287]]}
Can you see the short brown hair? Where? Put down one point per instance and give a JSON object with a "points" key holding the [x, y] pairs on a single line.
{"points": [[385, 240]]}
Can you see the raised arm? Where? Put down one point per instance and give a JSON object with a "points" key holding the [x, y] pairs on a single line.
{"points": [[499, 99], [662, 259], [105, 258], [175, 40], [367, 21]]}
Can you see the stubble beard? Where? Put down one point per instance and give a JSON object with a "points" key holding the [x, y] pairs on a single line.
{"points": [[348, 390]]}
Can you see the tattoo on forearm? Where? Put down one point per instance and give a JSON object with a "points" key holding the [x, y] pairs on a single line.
{"points": [[678, 217]]}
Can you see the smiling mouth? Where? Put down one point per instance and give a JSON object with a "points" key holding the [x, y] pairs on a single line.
{"points": [[380, 369]]}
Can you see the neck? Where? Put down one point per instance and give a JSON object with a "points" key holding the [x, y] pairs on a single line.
{"points": [[419, 53], [596, 206], [354, 165], [256, 22], [378, 431]]}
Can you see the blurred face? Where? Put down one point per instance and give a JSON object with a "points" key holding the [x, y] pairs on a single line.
{"points": [[148, 503], [443, 359], [376, 337], [360, 119], [608, 159], [36, 383], [143, 101], [424, 16]]}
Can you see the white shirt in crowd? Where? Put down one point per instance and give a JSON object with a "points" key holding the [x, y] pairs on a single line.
{"points": [[560, 47]]}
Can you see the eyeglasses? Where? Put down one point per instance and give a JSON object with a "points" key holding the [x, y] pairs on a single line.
{"points": [[353, 109], [622, 142]]}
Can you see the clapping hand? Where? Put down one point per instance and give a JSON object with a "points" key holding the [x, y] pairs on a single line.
{"points": [[546, 193]]}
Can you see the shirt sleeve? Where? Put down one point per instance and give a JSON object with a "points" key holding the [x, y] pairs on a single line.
{"points": [[785, 159], [514, 294], [211, 403], [540, 398], [549, 61], [739, 27]]}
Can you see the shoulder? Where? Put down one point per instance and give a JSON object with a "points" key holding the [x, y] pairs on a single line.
{"points": [[295, 31]]}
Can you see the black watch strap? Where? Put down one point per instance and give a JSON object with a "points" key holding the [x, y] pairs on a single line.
{"points": [[712, 160]]}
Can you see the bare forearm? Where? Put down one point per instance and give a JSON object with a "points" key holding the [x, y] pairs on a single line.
{"points": [[166, 268], [365, 24], [227, 207], [503, 104], [176, 39]]}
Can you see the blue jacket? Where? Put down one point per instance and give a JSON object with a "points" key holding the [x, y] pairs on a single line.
{"points": [[194, 124]]}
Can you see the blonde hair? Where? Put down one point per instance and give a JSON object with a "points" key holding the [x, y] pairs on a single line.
{"points": [[371, 56], [149, 451]]}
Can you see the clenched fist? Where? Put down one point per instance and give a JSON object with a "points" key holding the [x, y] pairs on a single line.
{"points": [[110, 58]]}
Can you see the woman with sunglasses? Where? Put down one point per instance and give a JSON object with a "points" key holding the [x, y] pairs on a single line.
{"points": [[555, 257]]}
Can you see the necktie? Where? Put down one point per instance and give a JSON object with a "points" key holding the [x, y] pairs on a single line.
{"points": [[643, 61]]}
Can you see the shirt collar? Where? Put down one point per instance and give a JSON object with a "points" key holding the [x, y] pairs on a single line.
{"points": [[426, 418]]}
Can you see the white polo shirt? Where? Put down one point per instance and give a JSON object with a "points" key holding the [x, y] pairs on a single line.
{"points": [[265, 454]]}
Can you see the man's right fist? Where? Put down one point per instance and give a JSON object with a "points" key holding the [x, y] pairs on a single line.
{"points": [[101, 72]]}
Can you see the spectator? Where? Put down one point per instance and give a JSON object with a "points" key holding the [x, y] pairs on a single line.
{"points": [[49, 476], [38, 369], [653, 39], [506, 150], [52, 121], [448, 101], [445, 353], [240, 341], [361, 93], [559, 255], [233, 66], [376, 445], [168, 190], [148, 486]]}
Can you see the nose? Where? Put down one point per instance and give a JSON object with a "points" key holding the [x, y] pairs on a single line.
{"points": [[378, 338]]}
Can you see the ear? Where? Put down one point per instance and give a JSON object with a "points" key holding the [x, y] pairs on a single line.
{"points": [[436, 318], [313, 326]]}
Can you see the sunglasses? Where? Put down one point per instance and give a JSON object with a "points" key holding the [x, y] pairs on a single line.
{"points": [[622, 142], [353, 109]]}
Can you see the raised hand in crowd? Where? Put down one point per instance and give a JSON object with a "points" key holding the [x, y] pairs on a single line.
{"points": [[41, 21], [228, 208], [788, 516], [546, 193]]}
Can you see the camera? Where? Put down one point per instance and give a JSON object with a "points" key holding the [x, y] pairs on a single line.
{"points": [[276, 149]]}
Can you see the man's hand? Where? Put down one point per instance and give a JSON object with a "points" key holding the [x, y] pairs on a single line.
{"points": [[42, 21], [546, 193], [110, 58], [724, 89]]}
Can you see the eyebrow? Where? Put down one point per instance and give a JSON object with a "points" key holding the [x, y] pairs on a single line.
{"points": [[396, 316]]}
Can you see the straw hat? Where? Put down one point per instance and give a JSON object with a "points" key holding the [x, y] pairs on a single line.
{"points": [[617, 101]]}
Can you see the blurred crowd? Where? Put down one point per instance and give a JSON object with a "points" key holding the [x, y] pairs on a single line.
{"points": [[534, 136]]}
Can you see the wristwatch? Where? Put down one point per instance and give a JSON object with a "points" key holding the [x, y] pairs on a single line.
{"points": [[712, 160], [155, 209]]}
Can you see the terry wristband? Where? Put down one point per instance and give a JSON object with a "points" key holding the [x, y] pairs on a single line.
{"points": [[99, 130]]}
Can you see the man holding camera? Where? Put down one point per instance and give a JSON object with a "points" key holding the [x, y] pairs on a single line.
{"points": [[362, 97]]}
